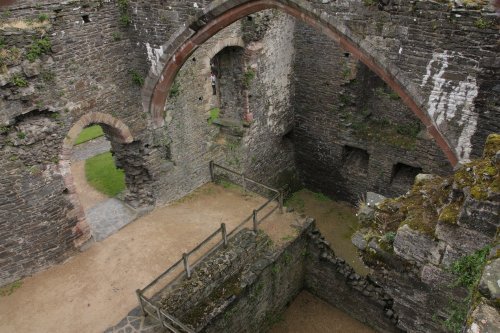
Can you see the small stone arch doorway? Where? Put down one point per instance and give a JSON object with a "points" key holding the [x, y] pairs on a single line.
{"points": [[117, 132]]}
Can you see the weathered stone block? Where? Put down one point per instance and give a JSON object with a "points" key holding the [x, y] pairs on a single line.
{"points": [[485, 319], [31, 69], [462, 239], [416, 246], [481, 216], [358, 240], [489, 285]]}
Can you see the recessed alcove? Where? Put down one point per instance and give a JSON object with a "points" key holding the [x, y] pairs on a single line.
{"points": [[355, 160], [403, 175]]}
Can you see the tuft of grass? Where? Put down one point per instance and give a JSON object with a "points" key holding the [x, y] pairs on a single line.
{"points": [[123, 6], [321, 197], [482, 23], [38, 48], [116, 36], [43, 17], [10, 288], [296, 202], [248, 77], [227, 184], [137, 78], [89, 133], [468, 269], [456, 320], [18, 81], [214, 115], [175, 90], [102, 174]]}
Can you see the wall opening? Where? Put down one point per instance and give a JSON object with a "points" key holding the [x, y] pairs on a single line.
{"points": [[95, 171], [355, 160], [403, 175], [114, 134], [228, 67]]}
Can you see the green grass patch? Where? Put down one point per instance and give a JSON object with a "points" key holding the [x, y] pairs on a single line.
{"points": [[102, 174], [38, 48], [321, 197], [10, 288], [214, 115], [89, 133], [296, 202], [469, 268]]}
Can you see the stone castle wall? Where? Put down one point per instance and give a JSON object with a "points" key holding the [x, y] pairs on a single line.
{"points": [[95, 63], [86, 69], [352, 133]]}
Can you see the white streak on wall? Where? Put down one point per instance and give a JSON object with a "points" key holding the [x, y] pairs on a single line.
{"points": [[154, 56], [452, 102]]}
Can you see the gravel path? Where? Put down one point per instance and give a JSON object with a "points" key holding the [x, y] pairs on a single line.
{"points": [[96, 289], [90, 148]]}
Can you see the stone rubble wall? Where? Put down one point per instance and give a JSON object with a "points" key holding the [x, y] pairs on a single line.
{"points": [[246, 286], [93, 62], [436, 224], [86, 70]]}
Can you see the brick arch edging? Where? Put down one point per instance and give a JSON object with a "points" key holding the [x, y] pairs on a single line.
{"points": [[223, 13], [119, 132], [219, 46]]}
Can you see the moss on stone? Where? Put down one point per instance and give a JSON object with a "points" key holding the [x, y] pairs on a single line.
{"points": [[231, 287], [481, 176], [491, 146], [449, 213]]}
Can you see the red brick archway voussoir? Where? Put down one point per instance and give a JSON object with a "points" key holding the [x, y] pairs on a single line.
{"points": [[161, 88]]}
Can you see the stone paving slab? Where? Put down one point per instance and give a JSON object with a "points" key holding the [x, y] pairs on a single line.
{"points": [[134, 322], [108, 217], [90, 149]]}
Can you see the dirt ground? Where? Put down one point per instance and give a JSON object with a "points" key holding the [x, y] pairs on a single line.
{"points": [[309, 314], [88, 196], [96, 289]]}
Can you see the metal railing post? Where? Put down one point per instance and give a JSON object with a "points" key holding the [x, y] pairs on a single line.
{"points": [[212, 173], [186, 265], [138, 293], [224, 233], [254, 217], [280, 201]]}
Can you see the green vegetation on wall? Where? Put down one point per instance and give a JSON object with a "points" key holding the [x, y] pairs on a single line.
{"points": [[18, 81], [38, 48], [10, 288], [248, 77], [123, 6], [468, 270], [175, 90], [214, 115], [102, 174], [137, 78], [383, 130]]}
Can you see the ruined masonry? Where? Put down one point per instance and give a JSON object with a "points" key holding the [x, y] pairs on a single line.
{"points": [[341, 97]]}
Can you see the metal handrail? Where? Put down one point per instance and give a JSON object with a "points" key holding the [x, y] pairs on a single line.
{"points": [[168, 321], [213, 165]]}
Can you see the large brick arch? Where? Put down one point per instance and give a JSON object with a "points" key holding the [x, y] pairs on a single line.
{"points": [[223, 13], [118, 131]]}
